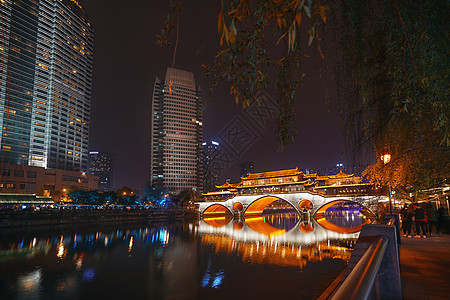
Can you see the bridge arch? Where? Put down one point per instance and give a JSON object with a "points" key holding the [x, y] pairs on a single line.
{"points": [[257, 207], [336, 228], [217, 221], [216, 210], [320, 210]]}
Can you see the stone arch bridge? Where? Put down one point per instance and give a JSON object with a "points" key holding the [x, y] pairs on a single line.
{"points": [[252, 205]]}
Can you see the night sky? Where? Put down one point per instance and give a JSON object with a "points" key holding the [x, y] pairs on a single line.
{"points": [[126, 62]]}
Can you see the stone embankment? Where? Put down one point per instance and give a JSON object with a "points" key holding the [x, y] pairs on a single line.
{"points": [[67, 217]]}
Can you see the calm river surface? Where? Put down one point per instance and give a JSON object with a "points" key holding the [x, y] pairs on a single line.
{"points": [[276, 256]]}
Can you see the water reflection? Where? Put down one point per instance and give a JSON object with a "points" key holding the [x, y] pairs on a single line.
{"points": [[29, 284], [344, 217], [203, 260], [279, 239]]}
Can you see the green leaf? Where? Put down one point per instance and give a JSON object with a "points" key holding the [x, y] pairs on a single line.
{"points": [[311, 32]]}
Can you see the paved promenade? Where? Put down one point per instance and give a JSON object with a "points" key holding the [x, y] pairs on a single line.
{"points": [[425, 267]]}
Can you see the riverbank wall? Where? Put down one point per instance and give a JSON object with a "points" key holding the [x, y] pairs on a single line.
{"points": [[9, 219]]}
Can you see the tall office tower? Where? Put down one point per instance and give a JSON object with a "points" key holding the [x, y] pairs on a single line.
{"points": [[246, 168], [46, 47], [101, 165], [211, 165], [177, 132]]}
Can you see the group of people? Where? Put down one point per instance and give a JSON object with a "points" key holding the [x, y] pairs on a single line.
{"points": [[421, 218]]}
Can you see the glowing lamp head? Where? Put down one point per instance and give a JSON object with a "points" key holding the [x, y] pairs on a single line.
{"points": [[386, 158]]}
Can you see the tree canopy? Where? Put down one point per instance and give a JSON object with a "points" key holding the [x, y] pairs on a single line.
{"points": [[246, 29], [391, 72], [394, 88]]}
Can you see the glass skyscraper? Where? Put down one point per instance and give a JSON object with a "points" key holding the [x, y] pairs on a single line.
{"points": [[211, 166], [45, 83], [177, 132], [101, 165]]}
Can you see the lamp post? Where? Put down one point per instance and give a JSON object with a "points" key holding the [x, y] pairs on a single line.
{"points": [[387, 158]]}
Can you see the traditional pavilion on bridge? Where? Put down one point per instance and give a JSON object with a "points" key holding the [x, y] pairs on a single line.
{"points": [[291, 181]]}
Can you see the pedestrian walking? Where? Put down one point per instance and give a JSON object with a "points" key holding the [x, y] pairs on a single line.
{"points": [[432, 215], [409, 219], [403, 216], [440, 220], [420, 219]]}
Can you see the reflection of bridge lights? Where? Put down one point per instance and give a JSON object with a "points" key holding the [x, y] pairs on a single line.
{"points": [[130, 244], [89, 275], [30, 283], [161, 236], [61, 252], [79, 262], [205, 280], [218, 279], [213, 282]]}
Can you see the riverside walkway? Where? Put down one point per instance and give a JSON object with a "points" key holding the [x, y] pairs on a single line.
{"points": [[425, 267]]}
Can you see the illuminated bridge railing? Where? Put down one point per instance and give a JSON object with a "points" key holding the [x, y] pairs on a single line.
{"points": [[359, 283], [264, 191], [377, 273]]}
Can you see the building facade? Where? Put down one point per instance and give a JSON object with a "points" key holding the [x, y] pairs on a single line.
{"points": [[246, 168], [101, 165], [211, 165], [23, 179], [177, 133], [46, 48]]}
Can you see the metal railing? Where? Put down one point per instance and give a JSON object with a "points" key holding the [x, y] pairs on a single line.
{"points": [[391, 222], [359, 283]]}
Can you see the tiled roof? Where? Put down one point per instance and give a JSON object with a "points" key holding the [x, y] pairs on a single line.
{"points": [[228, 185], [340, 175], [272, 174]]}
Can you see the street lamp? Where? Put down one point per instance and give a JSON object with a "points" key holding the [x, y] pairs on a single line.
{"points": [[387, 158]]}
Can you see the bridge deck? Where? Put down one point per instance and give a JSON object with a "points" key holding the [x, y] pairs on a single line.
{"points": [[425, 267]]}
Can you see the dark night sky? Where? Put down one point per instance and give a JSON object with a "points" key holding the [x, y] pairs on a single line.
{"points": [[126, 61]]}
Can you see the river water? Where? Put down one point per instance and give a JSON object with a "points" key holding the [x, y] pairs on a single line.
{"points": [[274, 256]]}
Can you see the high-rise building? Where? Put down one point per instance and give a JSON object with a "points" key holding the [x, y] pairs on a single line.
{"points": [[46, 47], [177, 132], [101, 165], [211, 165], [246, 168]]}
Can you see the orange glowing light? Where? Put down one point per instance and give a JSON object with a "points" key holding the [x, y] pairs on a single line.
{"points": [[238, 206], [305, 228], [333, 227], [305, 203], [217, 221], [238, 225], [216, 210], [258, 225], [257, 207], [386, 158]]}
